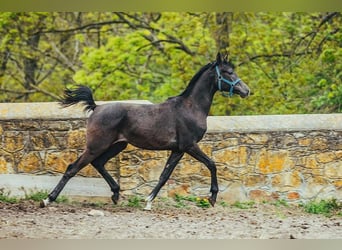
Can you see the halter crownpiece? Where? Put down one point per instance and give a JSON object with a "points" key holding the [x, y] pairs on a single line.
{"points": [[220, 78]]}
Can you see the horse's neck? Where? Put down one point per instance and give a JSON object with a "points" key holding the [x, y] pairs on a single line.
{"points": [[202, 94]]}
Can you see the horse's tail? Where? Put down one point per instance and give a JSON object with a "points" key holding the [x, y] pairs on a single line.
{"points": [[80, 94]]}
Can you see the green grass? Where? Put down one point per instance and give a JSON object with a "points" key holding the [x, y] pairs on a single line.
{"points": [[280, 203], [181, 201], [244, 205], [135, 201], [41, 195], [6, 198], [32, 195], [325, 207]]}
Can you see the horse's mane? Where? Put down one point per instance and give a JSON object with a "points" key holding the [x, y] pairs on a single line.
{"points": [[194, 79]]}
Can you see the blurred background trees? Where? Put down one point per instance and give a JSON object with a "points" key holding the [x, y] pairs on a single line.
{"points": [[291, 61]]}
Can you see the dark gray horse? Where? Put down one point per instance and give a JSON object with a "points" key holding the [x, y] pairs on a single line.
{"points": [[177, 124]]}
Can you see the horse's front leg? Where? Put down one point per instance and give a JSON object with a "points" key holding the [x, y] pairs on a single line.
{"points": [[198, 154], [171, 163]]}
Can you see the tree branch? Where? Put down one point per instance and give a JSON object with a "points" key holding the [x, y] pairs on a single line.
{"points": [[86, 26]]}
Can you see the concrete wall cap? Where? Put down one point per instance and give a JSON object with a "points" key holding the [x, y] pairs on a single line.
{"points": [[255, 123], [49, 110]]}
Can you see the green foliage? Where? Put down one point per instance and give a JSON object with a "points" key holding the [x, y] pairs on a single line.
{"points": [[329, 81], [32, 195], [43, 194], [244, 205], [135, 201], [6, 198], [36, 196], [325, 207], [198, 201], [280, 203], [290, 60]]}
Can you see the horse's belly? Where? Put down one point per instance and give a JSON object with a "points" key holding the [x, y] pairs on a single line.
{"points": [[152, 138]]}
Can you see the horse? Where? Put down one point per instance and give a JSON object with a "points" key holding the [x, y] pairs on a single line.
{"points": [[177, 125]]}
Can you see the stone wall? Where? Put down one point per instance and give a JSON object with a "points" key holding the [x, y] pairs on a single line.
{"points": [[290, 157]]}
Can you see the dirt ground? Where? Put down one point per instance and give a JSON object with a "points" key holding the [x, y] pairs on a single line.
{"points": [[25, 220]]}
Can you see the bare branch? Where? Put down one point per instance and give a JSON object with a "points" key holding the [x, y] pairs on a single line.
{"points": [[83, 27], [17, 91], [44, 91]]}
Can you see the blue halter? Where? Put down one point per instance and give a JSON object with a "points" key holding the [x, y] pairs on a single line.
{"points": [[220, 78]]}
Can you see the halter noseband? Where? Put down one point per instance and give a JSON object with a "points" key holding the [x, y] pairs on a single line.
{"points": [[220, 78]]}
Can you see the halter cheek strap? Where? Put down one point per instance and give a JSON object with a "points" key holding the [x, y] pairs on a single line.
{"points": [[220, 78]]}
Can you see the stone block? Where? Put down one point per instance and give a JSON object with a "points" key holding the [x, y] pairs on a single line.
{"points": [[258, 139], [150, 170], [305, 142], [57, 162], [272, 161], [293, 196], [28, 125], [287, 181], [236, 156], [76, 139], [337, 184], [226, 143], [183, 190], [314, 186], [192, 167], [6, 163], [260, 195], [253, 180], [30, 163], [325, 157], [56, 125], [311, 166], [130, 183], [13, 141], [288, 141], [333, 170], [127, 171], [228, 173], [42, 140], [145, 155], [89, 171], [319, 143], [235, 192]]}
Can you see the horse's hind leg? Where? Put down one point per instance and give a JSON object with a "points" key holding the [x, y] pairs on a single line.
{"points": [[70, 172], [100, 161]]}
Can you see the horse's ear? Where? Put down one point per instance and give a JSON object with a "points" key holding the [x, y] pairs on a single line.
{"points": [[219, 58], [226, 57]]}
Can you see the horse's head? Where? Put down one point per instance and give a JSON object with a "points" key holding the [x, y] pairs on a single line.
{"points": [[227, 80]]}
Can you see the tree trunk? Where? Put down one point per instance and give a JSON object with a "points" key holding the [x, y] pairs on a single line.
{"points": [[224, 28], [30, 64]]}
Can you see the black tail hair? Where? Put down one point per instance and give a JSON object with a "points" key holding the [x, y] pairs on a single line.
{"points": [[80, 94]]}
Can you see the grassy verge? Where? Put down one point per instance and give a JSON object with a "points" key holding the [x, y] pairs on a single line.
{"points": [[32, 195], [326, 207]]}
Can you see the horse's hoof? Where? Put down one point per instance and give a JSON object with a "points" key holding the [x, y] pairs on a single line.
{"points": [[212, 201], [41, 204], [115, 198], [148, 206], [44, 203]]}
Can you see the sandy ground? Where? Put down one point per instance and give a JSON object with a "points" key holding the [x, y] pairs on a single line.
{"points": [[25, 220]]}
